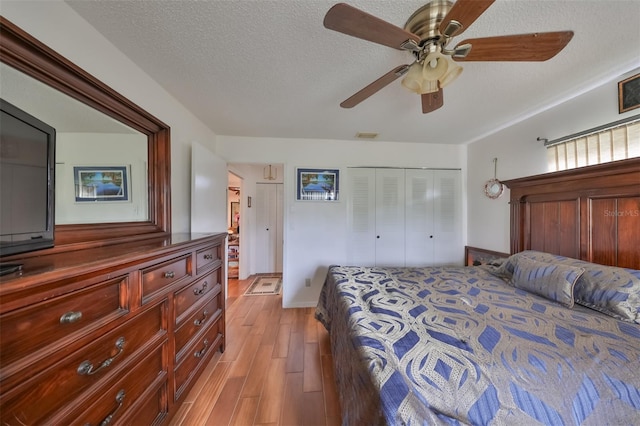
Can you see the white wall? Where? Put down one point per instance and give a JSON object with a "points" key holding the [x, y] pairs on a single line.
{"points": [[314, 231], [61, 28], [520, 154]]}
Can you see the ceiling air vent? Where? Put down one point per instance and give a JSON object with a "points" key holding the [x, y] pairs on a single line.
{"points": [[366, 135]]}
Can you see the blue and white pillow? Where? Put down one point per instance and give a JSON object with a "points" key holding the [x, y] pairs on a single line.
{"points": [[608, 289], [549, 280]]}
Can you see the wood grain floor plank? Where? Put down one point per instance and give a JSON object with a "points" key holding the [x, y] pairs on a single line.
{"points": [[236, 334], [245, 413], [249, 384], [269, 336], [293, 410], [207, 395], [242, 364], [310, 328], [272, 399], [258, 373], [226, 404], [281, 347], [331, 400], [285, 316], [295, 355], [313, 413], [312, 369], [256, 308], [271, 316]]}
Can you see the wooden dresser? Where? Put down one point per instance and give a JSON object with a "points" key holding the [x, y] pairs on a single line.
{"points": [[110, 335]]}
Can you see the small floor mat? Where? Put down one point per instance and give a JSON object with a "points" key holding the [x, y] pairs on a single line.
{"points": [[263, 286]]}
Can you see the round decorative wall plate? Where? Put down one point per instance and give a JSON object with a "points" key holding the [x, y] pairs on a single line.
{"points": [[493, 188]]}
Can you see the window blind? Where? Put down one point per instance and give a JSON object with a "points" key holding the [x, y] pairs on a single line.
{"points": [[604, 144]]}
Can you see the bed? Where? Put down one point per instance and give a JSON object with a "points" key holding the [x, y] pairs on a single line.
{"points": [[538, 338]]}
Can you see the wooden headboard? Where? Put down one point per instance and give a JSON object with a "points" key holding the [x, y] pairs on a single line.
{"points": [[591, 213]]}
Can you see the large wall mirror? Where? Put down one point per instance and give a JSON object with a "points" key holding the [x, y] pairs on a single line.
{"points": [[96, 128]]}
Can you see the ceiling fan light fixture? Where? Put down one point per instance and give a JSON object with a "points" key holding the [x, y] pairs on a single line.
{"points": [[435, 66], [429, 86], [413, 79], [452, 73]]}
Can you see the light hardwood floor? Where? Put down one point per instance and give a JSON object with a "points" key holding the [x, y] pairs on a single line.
{"points": [[276, 369]]}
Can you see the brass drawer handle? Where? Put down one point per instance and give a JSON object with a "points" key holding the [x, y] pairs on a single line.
{"points": [[86, 368], [199, 291], [201, 321], [200, 353], [119, 399], [71, 317], [208, 256], [169, 274]]}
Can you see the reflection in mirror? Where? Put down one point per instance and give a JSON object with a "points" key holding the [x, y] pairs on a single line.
{"points": [[32, 57], [85, 138]]}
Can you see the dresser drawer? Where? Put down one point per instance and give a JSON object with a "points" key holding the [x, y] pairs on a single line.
{"points": [[151, 411], [201, 351], [198, 321], [191, 294], [119, 399], [64, 381], [38, 330], [207, 257], [158, 277]]}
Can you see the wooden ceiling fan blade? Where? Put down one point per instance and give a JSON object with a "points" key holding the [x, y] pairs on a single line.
{"points": [[432, 101], [463, 12], [374, 87], [354, 22], [518, 47]]}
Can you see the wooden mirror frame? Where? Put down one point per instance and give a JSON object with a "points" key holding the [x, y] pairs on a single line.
{"points": [[23, 52]]}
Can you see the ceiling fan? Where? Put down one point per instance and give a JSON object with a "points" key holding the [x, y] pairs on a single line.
{"points": [[426, 35]]}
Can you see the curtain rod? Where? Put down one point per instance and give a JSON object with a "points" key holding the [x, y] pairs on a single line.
{"points": [[618, 123]]}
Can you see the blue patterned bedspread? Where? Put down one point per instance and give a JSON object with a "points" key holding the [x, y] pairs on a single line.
{"points": [[457, 345]]}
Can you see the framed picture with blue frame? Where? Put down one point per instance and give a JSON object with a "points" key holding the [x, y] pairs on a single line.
{"points": [[101, 183], [317, 184]]}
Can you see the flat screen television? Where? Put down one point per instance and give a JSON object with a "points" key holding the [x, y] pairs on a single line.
{"points": [[27, 168]]}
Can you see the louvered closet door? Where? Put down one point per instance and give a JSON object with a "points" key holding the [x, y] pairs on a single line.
{"points": [[401, 217], [433, 217], [447, 218], [419, 229], [361, 217], [390, 221]]}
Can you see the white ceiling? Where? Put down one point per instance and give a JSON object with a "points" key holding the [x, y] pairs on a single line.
{"points": [[270, 69]]}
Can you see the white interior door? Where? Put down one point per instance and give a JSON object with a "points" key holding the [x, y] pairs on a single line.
{"points": [[279, 243], [361, 217], [404, 217], [208, 191], [447, 220], [419, 232], [269, 201], [390, 221]]}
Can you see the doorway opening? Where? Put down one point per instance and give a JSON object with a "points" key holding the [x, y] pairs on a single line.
{"points": [[261, 207], [233, 225]]}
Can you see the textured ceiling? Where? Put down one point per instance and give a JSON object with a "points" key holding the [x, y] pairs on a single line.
{"points": [[270, 68]]}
